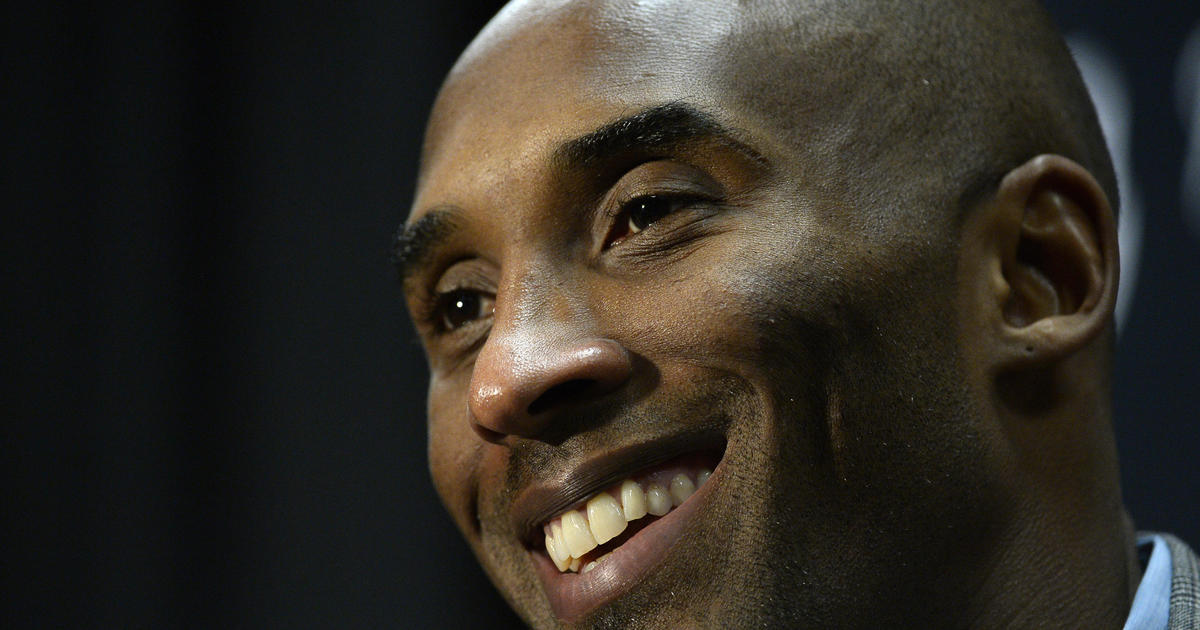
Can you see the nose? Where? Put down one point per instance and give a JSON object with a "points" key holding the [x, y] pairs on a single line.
{"points": [[521, 383]]}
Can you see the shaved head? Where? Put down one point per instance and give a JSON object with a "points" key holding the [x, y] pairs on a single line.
{"points": [[835, 276], [964, 90], [961, 91]]}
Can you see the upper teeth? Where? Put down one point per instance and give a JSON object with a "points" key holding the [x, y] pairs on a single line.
{"points": [[574, 533]]}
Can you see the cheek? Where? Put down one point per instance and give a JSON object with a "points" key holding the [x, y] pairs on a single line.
{"points": [[735, 303], [454, 451], [776, 311]]}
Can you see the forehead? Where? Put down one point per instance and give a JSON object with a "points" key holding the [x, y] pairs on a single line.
{"points": [[541, 74]]}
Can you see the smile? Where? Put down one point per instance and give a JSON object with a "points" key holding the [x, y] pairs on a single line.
{"points": [[601, 547], [576, 536]]}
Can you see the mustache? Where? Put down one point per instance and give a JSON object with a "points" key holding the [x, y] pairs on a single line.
{"points": [[607, 427]]}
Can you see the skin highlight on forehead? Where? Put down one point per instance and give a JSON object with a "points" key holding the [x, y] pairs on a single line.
{"points": [[623, 56], [883, 86]]}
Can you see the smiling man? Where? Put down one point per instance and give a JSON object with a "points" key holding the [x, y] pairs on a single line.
{"points": [[779, 314]]}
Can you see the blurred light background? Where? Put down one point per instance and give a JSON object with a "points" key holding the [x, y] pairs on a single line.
{"points": [[215, 417]]}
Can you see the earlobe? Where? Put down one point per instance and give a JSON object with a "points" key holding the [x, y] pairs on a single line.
{"points": [[1057, 262]]}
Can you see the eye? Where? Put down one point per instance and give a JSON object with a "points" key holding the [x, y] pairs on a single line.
{"points": [[646, 210], [642, 212], [460, 307]]}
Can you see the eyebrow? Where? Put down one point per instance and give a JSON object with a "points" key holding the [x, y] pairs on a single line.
{"points": [[656, 128], [413, 243]]}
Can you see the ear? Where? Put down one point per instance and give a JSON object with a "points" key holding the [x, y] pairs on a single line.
{"points": [[1048, 242]]}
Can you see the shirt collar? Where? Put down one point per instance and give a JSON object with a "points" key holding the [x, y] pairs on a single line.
{"points": [[1152, 602]]}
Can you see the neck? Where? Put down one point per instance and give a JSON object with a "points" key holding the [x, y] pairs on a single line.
{"points": [[1067, 557], [1059, 572], [1064, 555]]}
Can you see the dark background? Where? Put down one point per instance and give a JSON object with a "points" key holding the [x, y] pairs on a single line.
{"points": [[216, 407]]}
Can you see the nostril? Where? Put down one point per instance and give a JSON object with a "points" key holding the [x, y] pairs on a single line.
{"points": [[560, 394], [487, 434]]}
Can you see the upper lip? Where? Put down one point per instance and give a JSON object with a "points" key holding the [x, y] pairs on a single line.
{"points": [[550, 495]]}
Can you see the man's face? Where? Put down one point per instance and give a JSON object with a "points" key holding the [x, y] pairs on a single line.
{"points": [[630, 271]]}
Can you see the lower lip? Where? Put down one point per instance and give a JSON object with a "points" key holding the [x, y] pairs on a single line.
{"points": [[573, 595]]}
